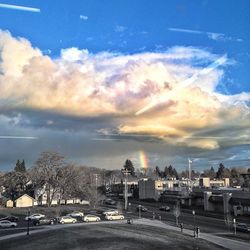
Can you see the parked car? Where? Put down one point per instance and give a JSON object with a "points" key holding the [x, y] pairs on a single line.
{"points": [[7, 223], [243, 227], [67, 219], [34, 217], [115, 217], [44, 221], [10, 218], [76, 214], [111, 212], [142, 208], [90, 217], [109, 202], [164, 208]]}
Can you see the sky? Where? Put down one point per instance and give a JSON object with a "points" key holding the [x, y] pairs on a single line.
{"points": [[102, 81]]}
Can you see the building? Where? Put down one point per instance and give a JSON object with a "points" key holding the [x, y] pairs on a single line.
{"points": [[9, 203], [24, 201], [154, 189], [6, 202], [223, 200], [148, 189], [207, 182]]}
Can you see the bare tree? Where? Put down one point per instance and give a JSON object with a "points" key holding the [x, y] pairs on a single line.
{"points": [[48, 172], [177, 212]]}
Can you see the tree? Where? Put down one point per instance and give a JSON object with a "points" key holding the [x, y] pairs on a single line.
{"points": [[170, 171], [175, 174], [209, 173], [14, 183], [177, 212], [158, 171], [20, 166], [23, 167], [166, 172], [47, 172], [129, 166], [17, 167], [223, 172]]}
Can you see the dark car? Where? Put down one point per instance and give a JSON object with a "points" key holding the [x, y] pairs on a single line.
{"points": [[243, 227], [109, 202], [142, 208], [44, 221], [164, 208], [10, 218]]}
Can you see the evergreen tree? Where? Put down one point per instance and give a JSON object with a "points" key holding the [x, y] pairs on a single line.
{"points": [[22, 167], [223, 172], [209, 173], [158, 171], [166, 172], [18, 166], [129, 166]]}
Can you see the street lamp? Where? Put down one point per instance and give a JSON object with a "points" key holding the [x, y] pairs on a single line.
{"points": [[129, 206], [234, 222], [193, 212], [28, 223], [139, 209]]}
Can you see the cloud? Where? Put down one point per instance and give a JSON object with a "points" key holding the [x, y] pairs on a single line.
{"points": [[18, 7], [186, 31], [18, 137], [163, 97], [120, 28], [211, 35], [83, 17], [100, 94]]}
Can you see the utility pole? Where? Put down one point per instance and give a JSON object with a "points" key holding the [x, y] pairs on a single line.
{"points": [[96, 191], [189, 172], [126, 173]]}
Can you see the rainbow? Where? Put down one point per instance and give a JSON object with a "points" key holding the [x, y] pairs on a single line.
{"points": [[143, 160]]}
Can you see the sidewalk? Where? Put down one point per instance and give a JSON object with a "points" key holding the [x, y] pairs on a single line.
{"points": [[227, 243]]}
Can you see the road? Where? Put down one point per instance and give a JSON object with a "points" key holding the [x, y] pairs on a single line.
{"points": [[206, 224]]}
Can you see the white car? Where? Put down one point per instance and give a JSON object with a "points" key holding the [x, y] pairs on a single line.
{"points": [[115, 217], [90, 217], [35, 217], [76, 214], [111, 212], [7, 223], [67, 219]]}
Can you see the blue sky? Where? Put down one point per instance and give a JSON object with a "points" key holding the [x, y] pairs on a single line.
{"points": [[205, 30], [132, 26]]}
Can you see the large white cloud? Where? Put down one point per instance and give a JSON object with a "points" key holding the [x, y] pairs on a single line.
{"points": [[107, 84]]}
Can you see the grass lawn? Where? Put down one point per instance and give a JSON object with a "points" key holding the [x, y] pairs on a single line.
{"points": [[108, 236]]}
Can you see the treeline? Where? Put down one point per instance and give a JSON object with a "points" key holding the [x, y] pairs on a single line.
{"points": [[53, 174], [235, 174], [222, 172], [169, 172]]}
